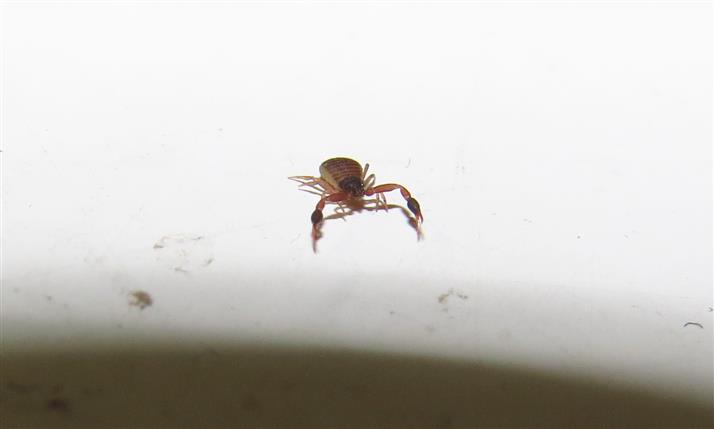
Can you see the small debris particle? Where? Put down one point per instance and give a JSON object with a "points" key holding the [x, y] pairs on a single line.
{"points": [[207, 262], [693, 324], [180, 270], [141, 299], [578, 237], [177, 238], [711, 309], [58, 405], [445, 296], [48, 297]]}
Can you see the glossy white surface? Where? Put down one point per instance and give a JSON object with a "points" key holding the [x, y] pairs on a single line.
{"points": [[561, 154]]}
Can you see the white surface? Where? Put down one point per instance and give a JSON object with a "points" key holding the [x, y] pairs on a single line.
{"points": [[561, 154]]}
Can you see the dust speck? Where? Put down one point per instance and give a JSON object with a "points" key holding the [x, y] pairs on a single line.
{"points": [[58, 405], [444, 297], [694, 324], [183, 253], [167, 240], [141, 299]]}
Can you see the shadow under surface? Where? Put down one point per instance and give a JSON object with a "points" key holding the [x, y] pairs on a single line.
{"points": [[277, 386]]}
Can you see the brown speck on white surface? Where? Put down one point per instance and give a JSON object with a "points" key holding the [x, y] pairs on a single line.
{"points": [[141, 299], [444, 297]]}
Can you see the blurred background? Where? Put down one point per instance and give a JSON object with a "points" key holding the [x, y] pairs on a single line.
{"points": [[157, 269]]}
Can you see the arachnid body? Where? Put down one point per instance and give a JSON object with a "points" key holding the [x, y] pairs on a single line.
{"points": [[343, 180]]}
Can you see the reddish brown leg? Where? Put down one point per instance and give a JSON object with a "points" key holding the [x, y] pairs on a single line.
{"points": [[316, 216], [412, 203]]}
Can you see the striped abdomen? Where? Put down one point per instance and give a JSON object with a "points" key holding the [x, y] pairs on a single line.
{"points": [[344, 174]]}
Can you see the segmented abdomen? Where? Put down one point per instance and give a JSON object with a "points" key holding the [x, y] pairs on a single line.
{"points": [[336, 170]]}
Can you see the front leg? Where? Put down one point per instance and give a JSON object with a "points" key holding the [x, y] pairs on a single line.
{"points": [[317, 183], [412, 203], [316, 217]]}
